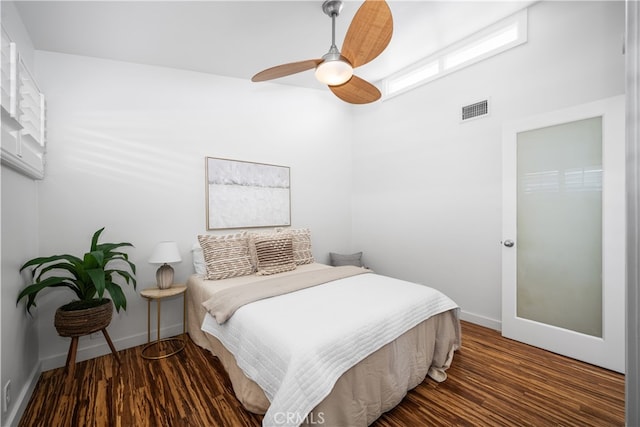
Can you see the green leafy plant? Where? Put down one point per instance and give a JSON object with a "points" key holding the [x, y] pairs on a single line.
{"points": [[88, 277]]}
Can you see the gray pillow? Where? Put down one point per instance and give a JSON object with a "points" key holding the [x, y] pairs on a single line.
{"points": [[337, 260]]}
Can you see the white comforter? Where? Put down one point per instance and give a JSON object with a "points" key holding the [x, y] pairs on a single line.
{"points": [[295, 346]]}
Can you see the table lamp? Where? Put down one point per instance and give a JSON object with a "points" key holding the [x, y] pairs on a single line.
{"points": [[165, 253]]}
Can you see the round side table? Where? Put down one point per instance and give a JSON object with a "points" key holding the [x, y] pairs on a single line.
{"points": [[158, 295]]}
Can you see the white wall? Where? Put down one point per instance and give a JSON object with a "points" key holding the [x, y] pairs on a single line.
{"points": [[126, 150], [427, 188], [19, 241], [20, 362]]}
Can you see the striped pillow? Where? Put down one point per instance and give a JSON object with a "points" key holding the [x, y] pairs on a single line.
{"points": [[274, 253], [252, 247], [301, 238], [226, 256]]}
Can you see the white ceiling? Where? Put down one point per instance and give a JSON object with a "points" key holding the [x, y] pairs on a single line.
{"points": [[240, 38]]}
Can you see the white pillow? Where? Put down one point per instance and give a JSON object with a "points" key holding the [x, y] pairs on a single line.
{"points": [[198, 259]]}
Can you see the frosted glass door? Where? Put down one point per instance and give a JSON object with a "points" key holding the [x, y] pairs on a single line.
{"points": [[559, 221], [563, 232]]}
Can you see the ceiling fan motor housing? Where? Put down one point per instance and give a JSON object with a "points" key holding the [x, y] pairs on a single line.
{"points": [[332, 7]]}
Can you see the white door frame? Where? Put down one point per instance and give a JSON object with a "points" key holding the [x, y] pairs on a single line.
{"points": [[608, 351]]}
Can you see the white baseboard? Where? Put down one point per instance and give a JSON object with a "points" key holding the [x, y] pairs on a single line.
{"points": [[100, 347], [22, 399], [481, 320]]}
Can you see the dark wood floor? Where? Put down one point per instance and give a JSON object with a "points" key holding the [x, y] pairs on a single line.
{"points": [[493, 382]]}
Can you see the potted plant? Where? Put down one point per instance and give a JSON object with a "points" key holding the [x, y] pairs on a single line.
{"points": [[89, 278]]}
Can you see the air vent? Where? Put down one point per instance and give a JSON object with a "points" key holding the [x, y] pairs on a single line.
{"points": [[475, 110]]}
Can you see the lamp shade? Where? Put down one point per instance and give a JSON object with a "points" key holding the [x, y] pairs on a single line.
{"points": [[334, 72], [165, 253]]}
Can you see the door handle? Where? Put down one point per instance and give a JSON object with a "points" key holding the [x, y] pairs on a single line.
{"points": [[508, 243]]}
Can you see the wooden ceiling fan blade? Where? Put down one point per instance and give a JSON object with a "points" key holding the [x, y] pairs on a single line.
{"points": [[369, 33], [285, 70], [356, 91]]}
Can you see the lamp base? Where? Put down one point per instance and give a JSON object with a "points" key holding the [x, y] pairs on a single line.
{"points": [[164, 276]]}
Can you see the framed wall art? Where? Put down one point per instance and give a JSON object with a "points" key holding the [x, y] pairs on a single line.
{"points": [[246, 194]]}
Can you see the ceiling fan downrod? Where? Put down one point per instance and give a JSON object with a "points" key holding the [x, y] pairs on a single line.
{"points": [[332, 9]]}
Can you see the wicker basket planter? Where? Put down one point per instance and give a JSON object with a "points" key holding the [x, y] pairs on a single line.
{"points": [[74, 322]]}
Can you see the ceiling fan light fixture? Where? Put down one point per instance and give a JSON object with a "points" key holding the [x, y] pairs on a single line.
{"points": [[334, 72]]}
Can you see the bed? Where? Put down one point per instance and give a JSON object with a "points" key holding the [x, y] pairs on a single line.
{"points": [[321, 345]]}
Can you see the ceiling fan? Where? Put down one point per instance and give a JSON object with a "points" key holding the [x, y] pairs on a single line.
{"points": [[368, 35]]}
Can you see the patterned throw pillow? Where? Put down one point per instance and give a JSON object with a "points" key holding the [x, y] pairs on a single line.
{"points": [[226, 256], [274, 253], [301, 237], [252, 246]]}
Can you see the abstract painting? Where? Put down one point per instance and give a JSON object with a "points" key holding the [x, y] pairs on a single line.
{"points": [[246, 194]]}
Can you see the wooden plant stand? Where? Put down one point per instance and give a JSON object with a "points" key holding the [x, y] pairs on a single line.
{"points": [[70, 366], [77, 323]]}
